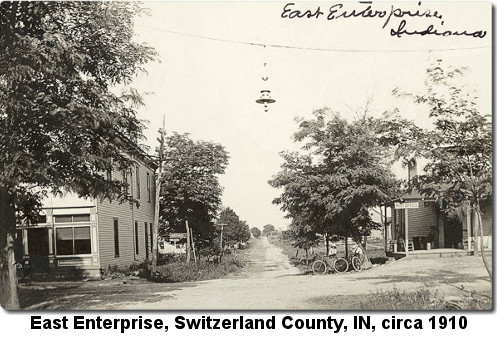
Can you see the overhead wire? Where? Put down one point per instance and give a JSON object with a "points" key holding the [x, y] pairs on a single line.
{"points": [[272, 45]]}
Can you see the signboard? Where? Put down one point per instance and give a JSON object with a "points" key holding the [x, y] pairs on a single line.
{"points": [[177, 235], [406, 205]]}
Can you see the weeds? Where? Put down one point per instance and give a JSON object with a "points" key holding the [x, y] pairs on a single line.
{"points": [[140, 269], [423, 299], [180, 271]]}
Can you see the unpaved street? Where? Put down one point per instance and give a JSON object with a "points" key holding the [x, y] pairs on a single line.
{"points": [[270, 282]]}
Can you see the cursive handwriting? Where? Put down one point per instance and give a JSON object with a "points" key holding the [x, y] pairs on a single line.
{"points": [[340, 11], [295, 13], [432, 31], [336, 12]]}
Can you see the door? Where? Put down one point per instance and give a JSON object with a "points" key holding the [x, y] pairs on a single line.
{"points": [[452, 233], [38, 249]]}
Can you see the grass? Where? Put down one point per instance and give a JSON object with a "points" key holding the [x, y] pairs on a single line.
{"points": [[173, 268], [180, 271], [423, 299]]}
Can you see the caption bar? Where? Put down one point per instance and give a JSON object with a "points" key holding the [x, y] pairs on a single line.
{"points": [[336, 325]]}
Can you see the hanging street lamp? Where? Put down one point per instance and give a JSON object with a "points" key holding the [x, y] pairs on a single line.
{"points": [[266, 93], [265, 99]]}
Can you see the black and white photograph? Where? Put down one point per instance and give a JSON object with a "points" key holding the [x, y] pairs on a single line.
{"points": [[246, 156]]}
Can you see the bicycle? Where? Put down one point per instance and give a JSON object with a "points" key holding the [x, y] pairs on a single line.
{"points": [[337, 264], [356, 263]]}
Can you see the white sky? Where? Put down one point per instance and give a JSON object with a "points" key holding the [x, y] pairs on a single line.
{"points": [[208, 88]]}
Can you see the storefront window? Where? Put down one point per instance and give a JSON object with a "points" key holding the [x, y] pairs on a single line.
{"points": [[73, 240], [72, 218]]}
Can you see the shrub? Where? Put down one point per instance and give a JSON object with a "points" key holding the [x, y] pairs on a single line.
{"points": [[378, 260], [180, 271], [141, 269], [170, 257]]}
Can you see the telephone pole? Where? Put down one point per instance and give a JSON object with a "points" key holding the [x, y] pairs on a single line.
{"points": [[158, 180], [221, 237]]}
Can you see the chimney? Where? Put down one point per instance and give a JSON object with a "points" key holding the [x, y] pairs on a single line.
{"points": [[412, 169]]}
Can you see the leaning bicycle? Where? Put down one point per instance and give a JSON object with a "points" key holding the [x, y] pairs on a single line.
{"points": [[357, 263], [330, 264]]}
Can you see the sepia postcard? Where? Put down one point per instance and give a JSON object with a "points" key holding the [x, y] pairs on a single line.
{"points": [[332, 156]]}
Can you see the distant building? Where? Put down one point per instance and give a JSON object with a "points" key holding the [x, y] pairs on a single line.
{"points": [[77, 235], [173, 243]]}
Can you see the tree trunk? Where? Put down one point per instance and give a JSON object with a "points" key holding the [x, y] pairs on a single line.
{"points": [[346, 248], [8, 287], [327, 237], [482, 252]]}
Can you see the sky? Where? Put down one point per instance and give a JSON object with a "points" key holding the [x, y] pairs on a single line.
{"points": [[207, 87]]}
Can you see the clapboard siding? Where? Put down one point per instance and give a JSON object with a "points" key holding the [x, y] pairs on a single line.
{"points": [[144, 213], [421, 219], [127, 215], [107, 211]]}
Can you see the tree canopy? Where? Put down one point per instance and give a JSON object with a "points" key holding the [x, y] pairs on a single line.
{"points": [[267, 229], [59, 66], [340, 173], [236, 230], [256, 232], [190, 187], [62, 124], [458, 148]]}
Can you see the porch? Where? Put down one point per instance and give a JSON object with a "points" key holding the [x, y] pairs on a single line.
{"points": [[428, 254]]}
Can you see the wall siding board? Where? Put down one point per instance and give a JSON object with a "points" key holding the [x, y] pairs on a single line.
{"points": [[126, 216]]}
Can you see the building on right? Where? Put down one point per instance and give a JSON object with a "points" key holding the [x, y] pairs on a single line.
{"points": [[417, 225]]}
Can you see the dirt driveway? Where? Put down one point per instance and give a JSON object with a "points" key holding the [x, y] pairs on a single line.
{"points": [[270, 282]]}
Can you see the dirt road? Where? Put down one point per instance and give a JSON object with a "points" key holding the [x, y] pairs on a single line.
{"points": [[270, 282]]}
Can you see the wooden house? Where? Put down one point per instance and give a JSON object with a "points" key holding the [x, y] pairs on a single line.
{"points": [[85, 235], [418, 224]]}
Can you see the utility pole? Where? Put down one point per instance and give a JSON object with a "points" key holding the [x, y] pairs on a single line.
{"points": [[187, 242], [158, 180], [221, 238]]}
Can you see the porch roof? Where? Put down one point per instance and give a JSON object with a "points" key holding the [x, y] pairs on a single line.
{"points": [[412, 195]]}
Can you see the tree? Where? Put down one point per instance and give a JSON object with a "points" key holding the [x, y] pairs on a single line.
{"points": [[459, 147], [304, 237], [267, 230], [62, 123], [256, 232], [235, 230], [190, 187], [341, 174]]}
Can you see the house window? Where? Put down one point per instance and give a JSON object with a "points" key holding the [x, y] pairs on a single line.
{"points": [[71, 218], [151, 235], [137, 249], [149, 190], [138, 182], [125, 182], [40, 218], [146, 241], [116, 237], [73, 240]]}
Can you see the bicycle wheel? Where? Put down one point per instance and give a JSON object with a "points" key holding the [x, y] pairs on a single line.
{"points": [[341, 265], [356, 263], [319, 267]]}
